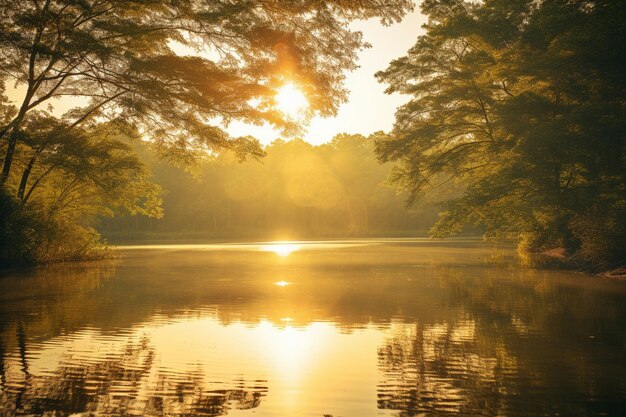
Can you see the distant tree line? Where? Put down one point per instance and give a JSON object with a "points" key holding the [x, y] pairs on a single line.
{"points": [[297, 190]]}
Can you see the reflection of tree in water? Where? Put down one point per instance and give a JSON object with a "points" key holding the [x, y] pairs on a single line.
{"points": [[119, 383], [518, 347], [466, 338], [53, 300], [435, 368]]}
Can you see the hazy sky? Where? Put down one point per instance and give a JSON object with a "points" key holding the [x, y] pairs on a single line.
{"points": [[368, 108]]}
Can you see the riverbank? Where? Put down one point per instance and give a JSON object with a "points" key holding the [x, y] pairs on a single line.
{"points": [[556, 258], [615, 270]]}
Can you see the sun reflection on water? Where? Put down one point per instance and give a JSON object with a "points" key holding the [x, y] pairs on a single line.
{"points": [[281, 249], [282, 283]]}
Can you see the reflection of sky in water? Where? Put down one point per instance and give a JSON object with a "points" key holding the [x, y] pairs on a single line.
{"points": [[304, 367], [349, 329]]}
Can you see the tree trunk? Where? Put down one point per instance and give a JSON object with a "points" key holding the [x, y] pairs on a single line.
{"points": [[8, 159], [22, 188], [12, 141]]}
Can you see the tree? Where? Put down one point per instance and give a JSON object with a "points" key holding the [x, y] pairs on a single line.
{"points": [[297, 190], [522, 103], [173, 72], [131, 57], [76, 175]]}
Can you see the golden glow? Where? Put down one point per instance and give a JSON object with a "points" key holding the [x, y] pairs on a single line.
{"points": [[282, 283], [366, 93], [291, 101], [290, 349], [281, 249]]}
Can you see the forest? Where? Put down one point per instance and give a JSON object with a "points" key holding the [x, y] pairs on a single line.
{"points": [[513, 129], [327, 208], [297, 190]]}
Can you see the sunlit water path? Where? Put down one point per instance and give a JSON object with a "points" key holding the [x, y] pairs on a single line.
{"points": [[352, 328]]}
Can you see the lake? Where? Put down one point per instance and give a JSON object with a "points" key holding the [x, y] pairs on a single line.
{"points": [[345, 328]]}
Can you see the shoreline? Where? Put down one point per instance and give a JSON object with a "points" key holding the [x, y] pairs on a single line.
{"points": [[614, 270], [555, 258]]}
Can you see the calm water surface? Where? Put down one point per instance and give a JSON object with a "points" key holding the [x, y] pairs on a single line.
{"points": [[363, 328]]}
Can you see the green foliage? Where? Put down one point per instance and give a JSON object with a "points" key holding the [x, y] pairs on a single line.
{"points": [[180, 70], [18, 232], [70, 177], [601, 232], [297, 190], [174, 73], [65, 240], [521, 103], [27, 237]]}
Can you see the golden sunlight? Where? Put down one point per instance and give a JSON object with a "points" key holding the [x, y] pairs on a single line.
{"points": [[282, 283], [281, 249], [291, 101]]}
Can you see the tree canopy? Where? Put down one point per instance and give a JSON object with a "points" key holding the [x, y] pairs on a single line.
{"points": [[523, 104], [171, 72], [178, 70]]}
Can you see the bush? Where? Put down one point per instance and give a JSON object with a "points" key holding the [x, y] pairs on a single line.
{"points": [[27, 238], [602, 234], [62, 240], [18, 232]]}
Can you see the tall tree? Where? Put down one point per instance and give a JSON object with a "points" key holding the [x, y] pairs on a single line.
{"points": [[131, 57], [70, 177], [523, 103]]}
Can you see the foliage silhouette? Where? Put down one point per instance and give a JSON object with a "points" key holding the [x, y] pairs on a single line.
{"points": [[521, 103]]}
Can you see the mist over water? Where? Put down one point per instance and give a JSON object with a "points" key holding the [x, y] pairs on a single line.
{"points": [[342, 328]]}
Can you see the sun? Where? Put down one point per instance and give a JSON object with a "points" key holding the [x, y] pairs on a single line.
{"points": [[291, 101]]}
